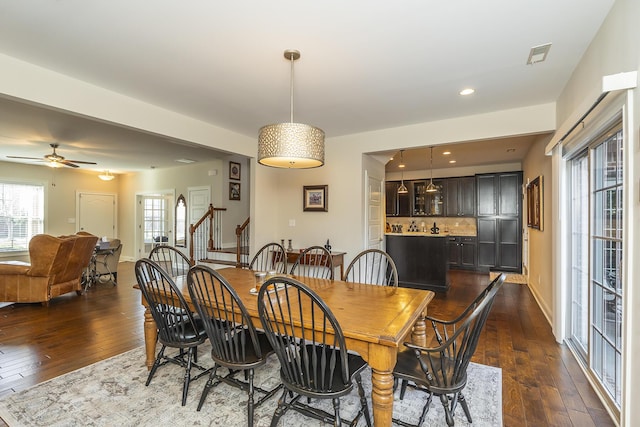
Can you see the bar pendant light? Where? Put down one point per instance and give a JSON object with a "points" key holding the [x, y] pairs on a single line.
{"points": [[431, 188], [402, 189]]}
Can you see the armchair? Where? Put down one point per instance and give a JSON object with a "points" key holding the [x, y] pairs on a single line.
{"points": [[55, 268], [107, 261]]}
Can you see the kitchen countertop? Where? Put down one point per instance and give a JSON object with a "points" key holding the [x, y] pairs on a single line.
{"points": [[427, 234]]}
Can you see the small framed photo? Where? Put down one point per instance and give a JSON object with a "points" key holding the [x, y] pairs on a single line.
{"points": [[234, 191], [234, 170], [314, 198]]}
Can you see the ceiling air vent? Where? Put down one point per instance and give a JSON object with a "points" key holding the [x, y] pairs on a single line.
{"points": [[538, 53]]}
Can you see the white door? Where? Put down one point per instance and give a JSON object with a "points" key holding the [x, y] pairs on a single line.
{"points": [[198, 202], [374, 212], [97, 214]]}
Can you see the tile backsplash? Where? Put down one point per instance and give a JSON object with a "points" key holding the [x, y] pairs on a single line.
{"points": [[453, 226]]}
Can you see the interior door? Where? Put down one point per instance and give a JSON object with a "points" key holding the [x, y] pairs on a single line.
{"points": [[97, 214], [374, 212]]}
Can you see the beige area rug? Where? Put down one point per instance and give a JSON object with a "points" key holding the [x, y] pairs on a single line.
{"points": [[519, 279], [112, 393]]}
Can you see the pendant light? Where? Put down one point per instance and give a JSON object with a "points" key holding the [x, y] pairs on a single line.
{"points": [[291, 145], [431, 188], [402, 189]]}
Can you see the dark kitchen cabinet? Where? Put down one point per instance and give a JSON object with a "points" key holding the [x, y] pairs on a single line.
{"points": [[460, 196], [396, 204], [499, 221], [462, 252], [425, 203]]}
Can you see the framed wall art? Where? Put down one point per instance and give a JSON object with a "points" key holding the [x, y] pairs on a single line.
{"points": [[314, 198], [534, 204], [234, 191], [234, 170]]}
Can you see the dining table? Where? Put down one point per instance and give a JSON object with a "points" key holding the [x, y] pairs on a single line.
{"points": [[375, 321]]}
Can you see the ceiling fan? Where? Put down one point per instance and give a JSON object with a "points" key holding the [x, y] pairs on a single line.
{"points": [[55, 160]]}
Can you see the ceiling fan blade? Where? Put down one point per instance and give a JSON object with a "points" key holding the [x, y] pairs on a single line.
{"points": [[27, 158], [82, 162], [68, 163]]}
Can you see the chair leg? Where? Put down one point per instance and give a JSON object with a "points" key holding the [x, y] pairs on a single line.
{"points": [[465, 407], [208, 386], [403, 388], [447, 412], [250, 401], [280, 410], [363, 400], [156, 363], [337, 422], [187, 376]]}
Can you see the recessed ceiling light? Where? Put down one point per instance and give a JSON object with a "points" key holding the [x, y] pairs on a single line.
{"points": [[452, 161], [446, 153], [538, 53], [467, 91], [401, 165]]}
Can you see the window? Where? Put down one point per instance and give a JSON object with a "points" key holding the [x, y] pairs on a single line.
{"points": [[21, 215], [155, 219]]}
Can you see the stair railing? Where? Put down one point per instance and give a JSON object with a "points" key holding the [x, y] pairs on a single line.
{"points": [[206, 234]]}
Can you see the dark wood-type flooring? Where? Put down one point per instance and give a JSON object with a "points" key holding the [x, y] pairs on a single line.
{"points": [[542, 383]]}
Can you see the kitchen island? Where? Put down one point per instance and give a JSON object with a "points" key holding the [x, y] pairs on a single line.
{"points": [[421, 260]]}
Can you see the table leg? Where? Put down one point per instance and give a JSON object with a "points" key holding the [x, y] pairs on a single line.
{"points": [[419, 333], [382, 360], [150, 337]]}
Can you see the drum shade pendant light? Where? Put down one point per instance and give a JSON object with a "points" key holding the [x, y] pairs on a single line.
{"points": [[402, 189], [431, 188], [291, 145]]}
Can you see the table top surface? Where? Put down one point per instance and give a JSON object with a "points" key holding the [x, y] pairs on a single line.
{"points": [[369, 313]]}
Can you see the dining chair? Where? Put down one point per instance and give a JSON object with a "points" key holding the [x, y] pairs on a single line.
{"points": [[311, 348], [271, 257], [373, 267], [170, 259], [314, 261], [176, 324], [441, 370], [235, 342]]}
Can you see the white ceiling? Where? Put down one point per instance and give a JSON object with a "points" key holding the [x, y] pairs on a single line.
{"points": [[365, 65]]}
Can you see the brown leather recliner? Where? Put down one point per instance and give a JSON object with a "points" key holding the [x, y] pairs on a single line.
{"points": [[56, 268]]}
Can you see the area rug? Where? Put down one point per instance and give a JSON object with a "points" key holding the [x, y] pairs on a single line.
{"points": [[112, 393], [518, 279]]}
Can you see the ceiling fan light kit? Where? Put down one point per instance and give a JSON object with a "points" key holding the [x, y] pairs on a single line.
{"points": [[291, 145]]}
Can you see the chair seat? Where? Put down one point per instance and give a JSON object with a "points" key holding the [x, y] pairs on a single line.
{"points": [[408, 368]]}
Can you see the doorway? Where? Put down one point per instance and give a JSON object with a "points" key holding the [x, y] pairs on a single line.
{"points": [[155, 220]]}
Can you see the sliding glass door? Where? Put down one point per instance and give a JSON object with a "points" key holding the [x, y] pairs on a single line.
{"points": [[596, 254]]}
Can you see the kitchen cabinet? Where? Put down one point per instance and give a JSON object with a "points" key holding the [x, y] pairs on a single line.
{"points": [[499, 221], [460, 196], [462, 252], [427, 204], [421, 261], [396, 204]]}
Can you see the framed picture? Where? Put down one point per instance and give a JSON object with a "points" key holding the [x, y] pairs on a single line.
{"points": [[314, 198], [534, 204], [234, 191], [234, 170]]}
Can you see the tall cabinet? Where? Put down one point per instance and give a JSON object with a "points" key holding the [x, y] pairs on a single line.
{"points": [[499, 224]]}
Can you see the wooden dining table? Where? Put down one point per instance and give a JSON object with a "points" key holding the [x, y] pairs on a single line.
{"points": [[375, 320]]}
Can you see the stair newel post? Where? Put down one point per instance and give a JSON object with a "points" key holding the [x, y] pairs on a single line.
{"points": [[192, 231], [210, 215]]}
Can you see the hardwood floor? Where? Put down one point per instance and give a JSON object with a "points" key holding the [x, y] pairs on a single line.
{"points": [[542, 383]]}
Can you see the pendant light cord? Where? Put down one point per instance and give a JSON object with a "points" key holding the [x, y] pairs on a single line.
{"points": [[291, 88]]}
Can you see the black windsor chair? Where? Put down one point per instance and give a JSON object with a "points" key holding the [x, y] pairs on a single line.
{"points": [[314, 261], [177, 325], [271, 257], [314, 362], [374, 267], [170, 259]]}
